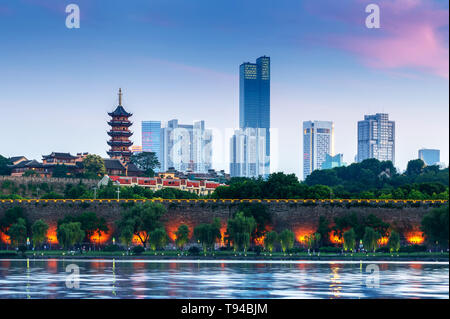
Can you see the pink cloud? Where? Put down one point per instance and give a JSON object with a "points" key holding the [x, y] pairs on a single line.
{"points": [[413, 35]]}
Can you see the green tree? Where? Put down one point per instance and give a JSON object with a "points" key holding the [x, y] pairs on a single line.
{"points": [[370, 239], [435, 226], [5, 168], [270, 240], [18, 232], [127, 234], [146, 161], [287, 239], [94, 166], [10, 217], [158, 238], [313, 240], [324, 230], [182, 236], [415, 167], [143, 219], [239, 230], [91, 224], [39, 232], [394, 242], [69, 234], [349, 240], [208, 234]]}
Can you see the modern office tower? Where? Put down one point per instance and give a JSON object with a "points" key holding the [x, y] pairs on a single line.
{"points": [[151, 138], [318, 141], [430, 156], [248, 153], [254, 112], [186, 147], [376, 138], [333, 161]]}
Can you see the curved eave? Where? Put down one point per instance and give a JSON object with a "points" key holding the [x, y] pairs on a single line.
{"points": [[120, 133]]}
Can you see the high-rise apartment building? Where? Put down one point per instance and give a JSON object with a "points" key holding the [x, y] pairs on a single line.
{"points": [[318, 141], [151, 138], [430, 156], [254, 119], [376, 138], [186, 147]]}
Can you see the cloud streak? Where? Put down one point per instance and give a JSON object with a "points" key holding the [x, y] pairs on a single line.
{"points": [[413, 36]]}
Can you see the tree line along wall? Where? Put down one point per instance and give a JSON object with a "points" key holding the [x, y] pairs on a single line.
{"points": [[301, 218]]}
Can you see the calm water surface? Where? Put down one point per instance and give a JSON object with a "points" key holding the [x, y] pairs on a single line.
{"points": [[222, 279]]}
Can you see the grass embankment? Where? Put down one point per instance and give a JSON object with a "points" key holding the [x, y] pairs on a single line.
{"points": [[173, 254]]}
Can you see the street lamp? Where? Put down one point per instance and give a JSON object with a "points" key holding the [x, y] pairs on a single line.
{"points": [[95, 192]]}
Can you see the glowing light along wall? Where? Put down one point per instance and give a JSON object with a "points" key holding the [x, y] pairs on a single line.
{"points": [[415, 237], [101, 238], [301, 234], [5, 238], [51, 235], [334, 238]]}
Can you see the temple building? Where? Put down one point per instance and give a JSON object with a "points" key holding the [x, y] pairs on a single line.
{"points": [[120, 133]]}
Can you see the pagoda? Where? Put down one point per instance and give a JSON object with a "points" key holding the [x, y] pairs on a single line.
{"points": [[120, 133]]}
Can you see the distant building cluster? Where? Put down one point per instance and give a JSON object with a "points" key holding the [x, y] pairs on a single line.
{"points": [[186, 149]]}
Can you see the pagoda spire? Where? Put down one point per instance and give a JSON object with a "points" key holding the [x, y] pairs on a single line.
{"points": [[120, 96]]}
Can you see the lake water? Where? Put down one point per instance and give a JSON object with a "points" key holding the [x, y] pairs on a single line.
{"points": [[54, 278]]}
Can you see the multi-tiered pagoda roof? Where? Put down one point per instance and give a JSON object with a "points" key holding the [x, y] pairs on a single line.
{"points": [[120, 133]]}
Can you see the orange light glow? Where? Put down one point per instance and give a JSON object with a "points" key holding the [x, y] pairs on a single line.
{"points": [[136, 239], [172, 228], [101, 238], [301, 234], [51, 235], [335, 238], [5, 238], [223, 230], [383, 241], [415, 237]]}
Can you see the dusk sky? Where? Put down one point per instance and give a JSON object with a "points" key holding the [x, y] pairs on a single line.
{"points": [[180, 59]]}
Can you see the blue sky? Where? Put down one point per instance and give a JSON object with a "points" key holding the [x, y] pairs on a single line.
{"points": [[180, 59]]}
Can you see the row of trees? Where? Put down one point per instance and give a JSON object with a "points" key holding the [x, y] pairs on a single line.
{"points": [[142, 222], [368, 179]]}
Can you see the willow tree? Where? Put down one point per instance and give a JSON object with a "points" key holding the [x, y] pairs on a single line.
{"points": [[69, 234], [349, 239], [270, 240], [39, 232], [394, 242], [287, 239], [208, 234], [239, 230], [370, 239], [182, 236]]}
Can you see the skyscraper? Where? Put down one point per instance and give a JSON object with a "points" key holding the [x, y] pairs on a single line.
{"points": [[151, 138], [318, 141], [430, 156], [333, 161], [186, 147], [247, 147], [254, 114], [376, 138]]}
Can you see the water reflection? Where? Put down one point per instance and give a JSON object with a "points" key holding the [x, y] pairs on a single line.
{"points": [[221, 279]]}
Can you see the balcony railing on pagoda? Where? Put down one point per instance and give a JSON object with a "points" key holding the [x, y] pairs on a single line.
{"points": [[120, 133], [120, 123], [119, 143], [119, 153]]}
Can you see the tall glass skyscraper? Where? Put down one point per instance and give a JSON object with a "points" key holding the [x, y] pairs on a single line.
{"points": [[254, 119], [430, 156], [151, 138], [376, 138], [318, 142]]}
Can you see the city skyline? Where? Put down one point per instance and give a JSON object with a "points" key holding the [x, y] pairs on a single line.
{"points": [[69, 80]]}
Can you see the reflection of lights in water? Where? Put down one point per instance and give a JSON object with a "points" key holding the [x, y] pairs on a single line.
{"points": [[28, 279], [114, 277], [335, 284]]}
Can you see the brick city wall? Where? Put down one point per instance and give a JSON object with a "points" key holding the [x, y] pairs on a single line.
{"points": [[300, 216]]}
